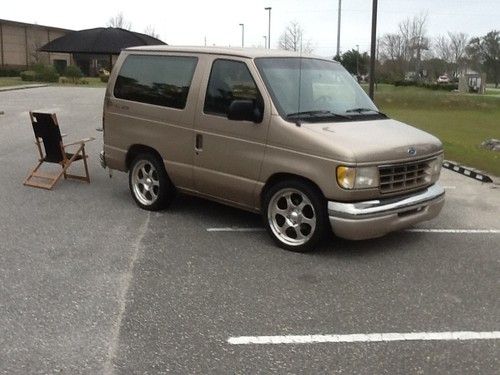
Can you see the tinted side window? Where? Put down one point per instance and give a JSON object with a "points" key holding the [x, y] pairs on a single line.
{"points": [[229, 80], [159, 80]]}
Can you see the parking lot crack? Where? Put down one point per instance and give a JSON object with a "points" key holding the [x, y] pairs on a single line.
{"points": [[124, 285]]}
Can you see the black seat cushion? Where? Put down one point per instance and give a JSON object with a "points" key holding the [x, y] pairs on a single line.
{"points": [[46, 128]]}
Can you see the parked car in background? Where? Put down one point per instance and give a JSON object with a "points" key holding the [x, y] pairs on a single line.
{"points": [[443, 79], [291, 137]]}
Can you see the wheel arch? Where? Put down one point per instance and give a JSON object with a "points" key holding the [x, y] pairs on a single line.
{"points": [[137, 149], [278, 177]]}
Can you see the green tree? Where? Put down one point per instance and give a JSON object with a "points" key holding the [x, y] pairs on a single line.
{"points": [[491, 55], [484, 52], [74, 73], [354, 62]]}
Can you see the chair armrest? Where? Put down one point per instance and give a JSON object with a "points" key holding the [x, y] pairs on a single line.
{"points": [[81, 141]]}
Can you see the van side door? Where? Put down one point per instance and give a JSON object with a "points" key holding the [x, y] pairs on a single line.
{"points": [[153, 105], [229, 153]]}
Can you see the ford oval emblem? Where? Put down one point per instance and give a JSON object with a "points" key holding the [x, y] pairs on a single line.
{"points": [[412, 151]]}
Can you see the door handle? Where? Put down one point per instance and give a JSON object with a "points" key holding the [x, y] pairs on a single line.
{"points": [[198, 143]]}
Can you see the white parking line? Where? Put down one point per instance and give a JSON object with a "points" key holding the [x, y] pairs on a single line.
{"points": [[415, 230], [471, 231], [449, 187], [363, 337], [235, 229]]}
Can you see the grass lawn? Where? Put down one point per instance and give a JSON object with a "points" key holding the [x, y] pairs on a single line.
{"points": [[16, 81], [493, 91], [11, 81], [91, 82], [461, 121]]}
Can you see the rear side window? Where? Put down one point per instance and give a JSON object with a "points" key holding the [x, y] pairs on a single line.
{"points": [[158, 80], [229, 80]]}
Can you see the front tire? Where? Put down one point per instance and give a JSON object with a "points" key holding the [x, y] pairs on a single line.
{"points": [[294, 214], [149, 184]]}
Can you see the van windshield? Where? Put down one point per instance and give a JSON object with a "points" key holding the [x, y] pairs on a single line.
{"points": [[315, 90]]}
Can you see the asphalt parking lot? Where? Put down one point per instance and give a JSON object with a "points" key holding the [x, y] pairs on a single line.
{"points": [[89, 283]]}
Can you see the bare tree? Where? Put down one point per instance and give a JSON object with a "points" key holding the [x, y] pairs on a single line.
{"points": [[392, 47], [150, 30], [413, 33], [409, 42], [36, 55], [403, 51], [458, 44], [292, 39], [392, 51], [452, 49], [442, 48], [119, 22], [409, 49]]}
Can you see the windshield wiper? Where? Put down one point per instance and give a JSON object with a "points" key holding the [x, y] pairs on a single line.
{"points": [[361, 110], [315, 114]]}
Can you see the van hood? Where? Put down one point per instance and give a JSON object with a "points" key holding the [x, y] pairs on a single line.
{"points": [[375, 140]]}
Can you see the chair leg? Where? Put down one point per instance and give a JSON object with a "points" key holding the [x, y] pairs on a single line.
{"points": [[70, 161], [85, 164], [32, 172], [57, 178], [48, 186], [39, 185]]}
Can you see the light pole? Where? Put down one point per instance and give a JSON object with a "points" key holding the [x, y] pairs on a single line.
{"points": [[338, 29], [269, 28], [265, 40], [372, 49], [242, 35]]}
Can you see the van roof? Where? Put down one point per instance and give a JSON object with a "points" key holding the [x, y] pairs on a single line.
{"points": [[230, 51]]}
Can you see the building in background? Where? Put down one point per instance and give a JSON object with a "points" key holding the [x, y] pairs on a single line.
{"points": [[96, 49], [23, 45], [471, 81], [20, 43]]}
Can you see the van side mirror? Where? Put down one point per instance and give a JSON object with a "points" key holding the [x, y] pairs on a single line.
{"points": [[244, 110]]}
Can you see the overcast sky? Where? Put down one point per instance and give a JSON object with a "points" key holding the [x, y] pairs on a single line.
{"points": [[189, 22]]}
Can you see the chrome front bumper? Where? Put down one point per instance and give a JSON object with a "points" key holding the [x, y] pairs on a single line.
{"points": [[374, 218]]}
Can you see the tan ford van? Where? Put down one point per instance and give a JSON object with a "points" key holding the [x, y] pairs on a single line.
{"points": [[294, 138]]}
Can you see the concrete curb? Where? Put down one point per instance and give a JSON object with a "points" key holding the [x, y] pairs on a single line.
{"points": [[466, 171], [22, 87]]}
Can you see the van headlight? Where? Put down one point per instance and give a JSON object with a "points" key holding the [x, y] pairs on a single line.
{"points": [[357, 178], [435, 168]]}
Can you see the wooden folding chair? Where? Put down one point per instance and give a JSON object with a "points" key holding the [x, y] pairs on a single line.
{"points": [[46, 129]]}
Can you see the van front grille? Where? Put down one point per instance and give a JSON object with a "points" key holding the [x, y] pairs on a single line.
{"points": [[404, 176]]}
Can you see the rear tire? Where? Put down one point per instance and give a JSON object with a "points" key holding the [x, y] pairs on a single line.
{"points": [[149, 183], [295, 215]]}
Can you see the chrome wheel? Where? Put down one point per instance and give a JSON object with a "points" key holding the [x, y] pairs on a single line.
{"points": [[291, 217], [145, 182]]}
